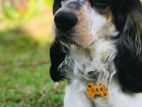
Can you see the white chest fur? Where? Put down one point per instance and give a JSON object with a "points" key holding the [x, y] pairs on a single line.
{"points": [[75, 94], [118, 98], [99, 55], [76, 97], [96, 58]]}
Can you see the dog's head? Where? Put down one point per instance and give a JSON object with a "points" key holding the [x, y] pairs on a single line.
{"points": [[83, 21]]}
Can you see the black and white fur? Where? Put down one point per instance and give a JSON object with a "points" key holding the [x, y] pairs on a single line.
{"points": [[115, 29]]}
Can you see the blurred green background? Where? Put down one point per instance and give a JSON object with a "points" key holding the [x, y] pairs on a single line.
{"points": [[25, 38]]}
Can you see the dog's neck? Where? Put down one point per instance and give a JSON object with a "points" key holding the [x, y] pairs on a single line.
{"points": [[96, 57]]}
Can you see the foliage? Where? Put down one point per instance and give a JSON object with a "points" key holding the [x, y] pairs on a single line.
{"points": [[48, 3], [33, 16], [23, 10]]}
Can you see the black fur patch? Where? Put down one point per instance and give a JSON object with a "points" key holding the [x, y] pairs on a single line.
{"points": [[56, 5], [129, 58], [57, 56]]}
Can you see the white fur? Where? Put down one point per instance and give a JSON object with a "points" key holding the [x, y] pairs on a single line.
{"points": [[117, 98], [76, 89], [76, 97], [78, 58]]}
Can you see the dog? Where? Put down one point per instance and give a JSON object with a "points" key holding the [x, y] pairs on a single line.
{"points": [[98, 40]]}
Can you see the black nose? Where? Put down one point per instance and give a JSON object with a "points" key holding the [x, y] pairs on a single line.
{"points": [[65, 20]]}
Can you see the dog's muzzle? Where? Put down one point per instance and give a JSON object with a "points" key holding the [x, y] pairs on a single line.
{"points": [[65, 21], [72, 24]]}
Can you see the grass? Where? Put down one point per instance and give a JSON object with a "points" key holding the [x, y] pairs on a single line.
{"points": [[24, 73]]}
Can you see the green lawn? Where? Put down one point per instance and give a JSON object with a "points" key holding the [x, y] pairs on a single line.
{"points": [[24, 73]]}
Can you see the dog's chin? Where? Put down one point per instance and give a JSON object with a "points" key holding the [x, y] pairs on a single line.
{"points": [[78, 41], [82, 42]]}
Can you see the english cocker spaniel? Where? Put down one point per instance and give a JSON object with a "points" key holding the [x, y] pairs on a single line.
{"points": [[98, 41]]}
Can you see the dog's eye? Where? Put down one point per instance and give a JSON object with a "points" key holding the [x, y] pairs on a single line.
{"points": [[100, 3]]}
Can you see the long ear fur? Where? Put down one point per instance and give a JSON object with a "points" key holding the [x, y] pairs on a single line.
{"points": [[57, 56], [129, 59], [56, 53]]}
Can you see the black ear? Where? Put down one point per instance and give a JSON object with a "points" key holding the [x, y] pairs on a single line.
{"points": [[129, 58], [56, 56], [56, 5]]}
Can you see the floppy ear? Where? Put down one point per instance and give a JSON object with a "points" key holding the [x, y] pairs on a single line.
{"points": [[129, 59], [56, 5], [56, 53], [56, 56]]}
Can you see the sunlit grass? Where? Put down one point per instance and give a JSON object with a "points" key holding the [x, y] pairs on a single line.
{"points": [[24, 73]]}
